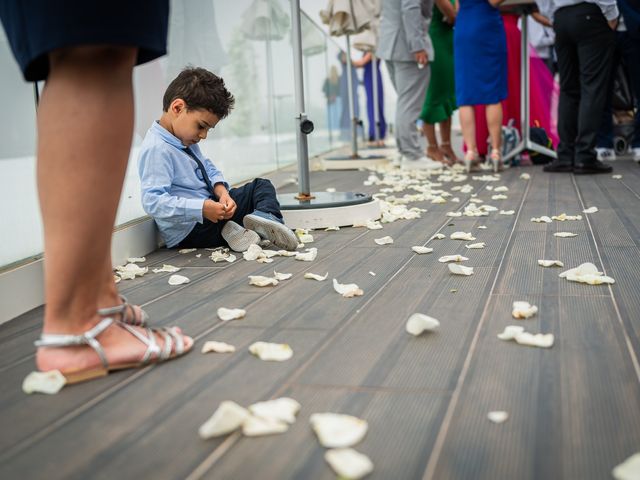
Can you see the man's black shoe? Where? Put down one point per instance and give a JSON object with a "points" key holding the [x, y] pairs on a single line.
{"points": [[558, 167], [592, 167]]}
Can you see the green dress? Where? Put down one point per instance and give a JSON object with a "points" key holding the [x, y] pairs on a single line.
{"points": [[440, 102]]}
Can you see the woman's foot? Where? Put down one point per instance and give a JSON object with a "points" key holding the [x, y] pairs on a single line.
{"points": [[124, 312], [496, 159], [470, 158], [449, 154], [434, 153], [120, 347]]}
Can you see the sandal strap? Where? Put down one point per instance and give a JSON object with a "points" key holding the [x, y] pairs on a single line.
{"points": [[149, 340], [121, 310], [86, 338]]}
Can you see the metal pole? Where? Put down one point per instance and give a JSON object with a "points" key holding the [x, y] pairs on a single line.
{"points": [[376, 119], [326, 69], [301, 138], [271, 110], [354, 120], [524, 81]]}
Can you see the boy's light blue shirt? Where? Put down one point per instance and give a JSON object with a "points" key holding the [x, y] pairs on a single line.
{"points": [[173, 189]]}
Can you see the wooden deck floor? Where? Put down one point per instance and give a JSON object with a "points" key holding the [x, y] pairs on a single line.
{"points": [[574, 409]]}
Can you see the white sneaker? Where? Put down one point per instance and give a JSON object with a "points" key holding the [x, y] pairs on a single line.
{"points": [[422, 163], [606, 154], [635, 152], [238, 238]]}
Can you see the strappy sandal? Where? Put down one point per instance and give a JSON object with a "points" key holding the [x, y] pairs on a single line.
{"points": [[434, 153], [153, 354], [496, 160], [449, 154], [124, 309], [470, 157]]}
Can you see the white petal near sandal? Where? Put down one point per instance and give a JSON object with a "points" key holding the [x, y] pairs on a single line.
{"points": [[124, 309], [174, 347]]}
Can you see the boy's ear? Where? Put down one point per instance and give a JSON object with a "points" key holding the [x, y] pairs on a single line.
{"points": [[177, 106]]}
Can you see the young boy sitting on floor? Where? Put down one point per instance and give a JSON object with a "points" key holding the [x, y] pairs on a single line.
{"points": [[185, 193]]}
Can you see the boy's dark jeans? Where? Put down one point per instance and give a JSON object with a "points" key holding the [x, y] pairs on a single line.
{"points": [[627, 48], [257, 195], [584, 45]]}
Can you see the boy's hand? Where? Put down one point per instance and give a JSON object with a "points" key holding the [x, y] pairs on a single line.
{"points": [[214, 211], [230, 205]]}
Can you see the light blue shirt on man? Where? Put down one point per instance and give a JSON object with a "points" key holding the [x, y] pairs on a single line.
{"points": [[549, 7], [173, 188]]}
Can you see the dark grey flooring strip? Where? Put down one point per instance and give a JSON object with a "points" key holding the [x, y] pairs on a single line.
{"points": [[446, 422], [627, 338]]}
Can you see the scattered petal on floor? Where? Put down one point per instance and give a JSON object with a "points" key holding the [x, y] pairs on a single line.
{"points": [[482, 227], [629, 469], [542, 219], [178, 280], [384, 240], [136, 259], [335, 430], [226, 314], [438, 236], [166, 268], [586, 273], [282, 276], [475, 245], [507, 212], [452, 258], [348, 463], [347, 290], [217, 347], [550, 263], [332, 229], [283, 409], [590, 210], [308, 256], [458, 269], [462, 236], [523, 309], [130, 271], [306, 238], [499, 196], [264, 260], [373, 274], [259, 426], [513, 332], [455, 200], [330, 190], [274, 352], [454, 214], [525, 176], [419, 322], [617, 177], [229, 416], [315, 276], [421, 250], [498, 416], [564, 217], [501, 188], [253, 253], [565, 234], [198, 255], [438, 199], [187, 250], [373, 225], [260, 281], [222, 256], [50, 382]]}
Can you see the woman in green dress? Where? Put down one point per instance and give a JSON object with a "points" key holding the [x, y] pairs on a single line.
{"points": [[440, 102]]}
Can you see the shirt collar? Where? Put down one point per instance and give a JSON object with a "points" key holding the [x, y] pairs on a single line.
{"points": [[167, 136]]}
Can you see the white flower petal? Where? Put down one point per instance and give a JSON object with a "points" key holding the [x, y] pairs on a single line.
{"points": [[136, 259], [226, 314], [276, 352], [178, 280], [348, 463], [187, 250], [629, 469], [459, 269], [314, 276], [50, 382], [283, 409], [498, 416], [462, 236], [384, 240], [261, 281], [565, 234], [336, 430], [166, 268], [523, 310], [542, 219], [282, 276], [259, 426], [217, 347], [229, 416], [308, 256], [475, 245], [421, 250], [452, 258], [550, 263], [347, 290], [590, 210], [418, 323]]}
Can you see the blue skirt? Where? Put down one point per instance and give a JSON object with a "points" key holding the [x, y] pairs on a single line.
{"points": [[37, 27], [480, 55]]}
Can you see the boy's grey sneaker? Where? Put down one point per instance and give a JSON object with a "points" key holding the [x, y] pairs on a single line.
{"points": [[270, 227], [238, 238]]}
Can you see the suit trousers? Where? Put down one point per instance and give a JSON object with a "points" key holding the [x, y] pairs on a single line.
{"points": [[584, 44], [410, 83], [259, 194]]}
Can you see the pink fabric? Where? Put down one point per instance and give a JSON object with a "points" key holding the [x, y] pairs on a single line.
{"points": [[542, 89]]}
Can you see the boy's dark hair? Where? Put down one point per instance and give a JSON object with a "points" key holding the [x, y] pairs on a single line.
{"points": [[201, 90]]}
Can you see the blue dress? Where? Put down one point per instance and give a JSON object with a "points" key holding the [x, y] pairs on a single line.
{"points": [[480, 54]]}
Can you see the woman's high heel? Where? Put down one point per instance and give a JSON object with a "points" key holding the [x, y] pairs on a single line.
{"points": [[470, 157], [496, 159]]}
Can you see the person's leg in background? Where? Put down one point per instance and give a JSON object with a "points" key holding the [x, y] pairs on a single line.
{"points": [[411, 86], [604, 137], [630, 52], [85, 124], [368, 86], [468, 125], [391, 69], [569, 101], [494, 123], [382, 123], [595, 45]]}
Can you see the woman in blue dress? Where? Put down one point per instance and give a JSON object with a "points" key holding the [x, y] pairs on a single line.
{"points": [[480, 57]]}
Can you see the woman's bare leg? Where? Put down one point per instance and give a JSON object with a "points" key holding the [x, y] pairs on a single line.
{"points": [[85, 123], [433, 151], [468, 123], [494, 122], [445, 141]]}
